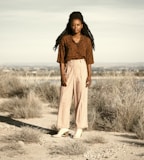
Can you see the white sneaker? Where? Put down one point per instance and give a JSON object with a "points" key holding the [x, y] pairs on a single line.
{"points": [[78, 133], [63, 132]]}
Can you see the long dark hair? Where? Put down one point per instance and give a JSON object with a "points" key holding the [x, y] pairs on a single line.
{"points": [[85, 30]]}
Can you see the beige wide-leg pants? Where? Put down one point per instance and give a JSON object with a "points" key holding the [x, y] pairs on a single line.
{"points": [[76, 74]]}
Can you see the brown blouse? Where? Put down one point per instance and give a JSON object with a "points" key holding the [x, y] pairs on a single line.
{"points": [[68, 49]]}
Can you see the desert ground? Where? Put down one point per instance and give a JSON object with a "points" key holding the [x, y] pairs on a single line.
{"points": [[115, 104], [93, 145]]}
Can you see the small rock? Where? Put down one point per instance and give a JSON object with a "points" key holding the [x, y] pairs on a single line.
{"points": [[21, 143]]}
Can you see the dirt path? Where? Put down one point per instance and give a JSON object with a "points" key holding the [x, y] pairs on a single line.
{"points": [[115, 146]]}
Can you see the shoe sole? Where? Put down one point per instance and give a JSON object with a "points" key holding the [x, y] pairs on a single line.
{"points": [[63, 135]]}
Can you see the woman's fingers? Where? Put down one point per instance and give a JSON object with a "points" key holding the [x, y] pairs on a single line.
{"points": [[63, 81], [63, 84], [88, 82]]}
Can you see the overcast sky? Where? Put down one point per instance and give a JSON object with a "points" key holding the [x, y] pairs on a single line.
{"points": [[29, 28]]}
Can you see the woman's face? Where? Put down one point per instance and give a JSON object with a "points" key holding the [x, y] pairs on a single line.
{"points": [[76, 26]]}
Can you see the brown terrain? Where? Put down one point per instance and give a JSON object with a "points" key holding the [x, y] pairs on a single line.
{"points": [[93, 145]]}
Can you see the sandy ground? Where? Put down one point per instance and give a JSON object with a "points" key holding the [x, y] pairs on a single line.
{"points": [[116, 146]]}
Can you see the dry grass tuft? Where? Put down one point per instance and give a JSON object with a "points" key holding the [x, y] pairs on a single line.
{"points": [[139, 128], [10, 86], [26, 135], [95, 139], [70, 148], [54, 127], [48, 93], [12, 149], [26, 107], [116, 104]]}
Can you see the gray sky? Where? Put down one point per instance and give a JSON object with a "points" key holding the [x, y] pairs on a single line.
{"points": [[29, 28]]}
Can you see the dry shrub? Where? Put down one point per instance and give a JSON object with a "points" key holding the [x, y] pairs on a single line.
{"points": [[70, 148], [26, 135], [139, 128], [116, 104], [95, 139], [26, 107], [12, 149], [10, 86], [48, 93]]}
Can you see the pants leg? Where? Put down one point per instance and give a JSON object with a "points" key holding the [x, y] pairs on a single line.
{"points": [[66, 94], [76, 85], [80, 94]]}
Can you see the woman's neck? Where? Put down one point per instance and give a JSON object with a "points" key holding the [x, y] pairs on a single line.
{"points": [[76, 34], [76, 37]]}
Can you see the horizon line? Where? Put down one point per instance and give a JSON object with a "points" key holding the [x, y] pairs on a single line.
{"points": [[56, 63]]}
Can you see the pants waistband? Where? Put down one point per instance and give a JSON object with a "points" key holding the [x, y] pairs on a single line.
{"points": [[76, 60]]}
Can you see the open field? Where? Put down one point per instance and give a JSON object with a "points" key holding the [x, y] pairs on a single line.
{"points": [[41, 78], [94, 144], [28, 114]]}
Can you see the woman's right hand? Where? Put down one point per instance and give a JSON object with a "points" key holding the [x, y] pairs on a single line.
{"points": [[63, 75], [63, 80]]}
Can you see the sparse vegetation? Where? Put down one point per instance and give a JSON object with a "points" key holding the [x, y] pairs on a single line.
{"points": [[116, 104], [94, 140], [26, 135], [70, 148], [48, 93], [10, 86], [139, 128], [12, 149], [26, 107]]}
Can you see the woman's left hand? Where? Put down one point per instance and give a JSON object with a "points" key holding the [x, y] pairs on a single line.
{"points": [[88, 81]]}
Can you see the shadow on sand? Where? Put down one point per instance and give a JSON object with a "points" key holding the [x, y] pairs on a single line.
{"points": [[17, 123], [129, 136], [131, 139], [137, 143]]}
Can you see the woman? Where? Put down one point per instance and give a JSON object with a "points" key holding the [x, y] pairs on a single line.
{"points": [[75, 57]]}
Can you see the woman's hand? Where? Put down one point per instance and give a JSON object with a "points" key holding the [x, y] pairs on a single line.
{"points": [[88, 81], [63, 80]]}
